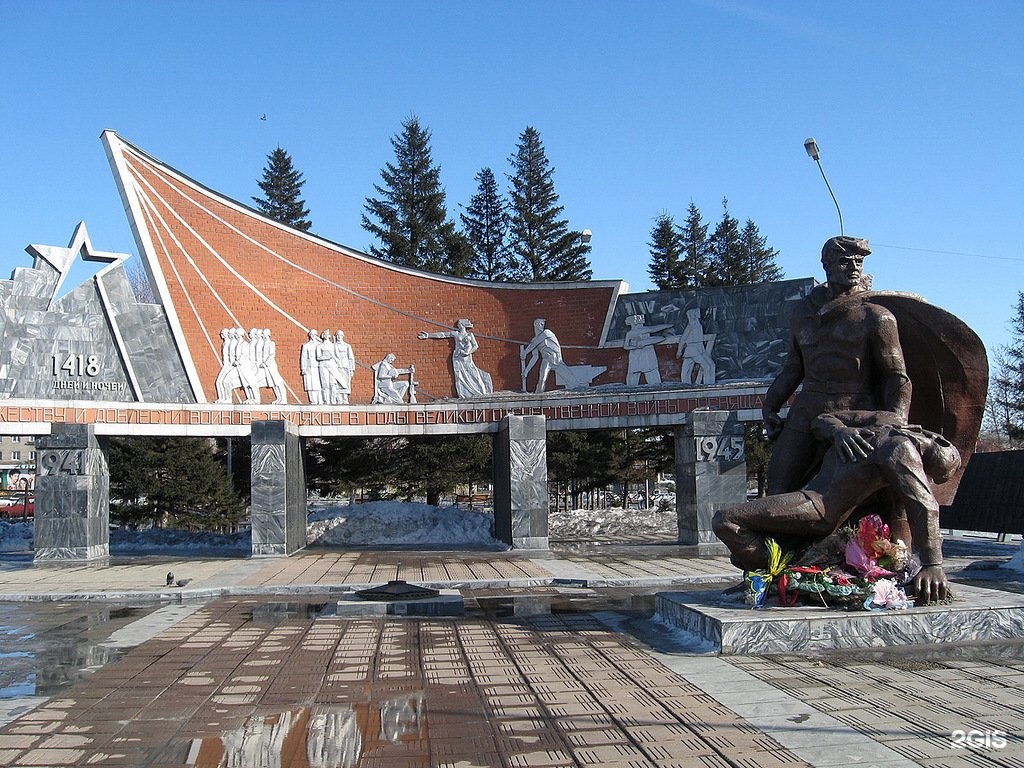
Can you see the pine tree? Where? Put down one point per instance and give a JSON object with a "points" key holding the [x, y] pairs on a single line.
{"points": [[727, 262], [484, 224], [282, 185], [1006, 390], [177, 481], [758, 255], [543, 246], [664, 266], [409, 217], [695, 262]]}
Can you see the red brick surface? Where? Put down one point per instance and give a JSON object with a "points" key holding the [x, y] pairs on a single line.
{"points": [[227, 266]]}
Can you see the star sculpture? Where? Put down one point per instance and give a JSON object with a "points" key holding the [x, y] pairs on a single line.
{"points": [[62, 258]]}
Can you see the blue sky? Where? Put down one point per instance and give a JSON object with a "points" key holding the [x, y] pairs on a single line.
{"points": [[642, 107]]}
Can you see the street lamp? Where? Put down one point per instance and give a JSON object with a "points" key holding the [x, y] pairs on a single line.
{"points": [[812, 151]]}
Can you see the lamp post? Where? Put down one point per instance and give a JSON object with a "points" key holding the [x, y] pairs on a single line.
{"points": [[812, 151]]}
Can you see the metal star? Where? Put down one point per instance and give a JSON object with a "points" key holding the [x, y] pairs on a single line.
{"points": [[61, 258]]}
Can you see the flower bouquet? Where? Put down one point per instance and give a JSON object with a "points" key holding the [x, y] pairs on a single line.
{"points": [[859, 567]]}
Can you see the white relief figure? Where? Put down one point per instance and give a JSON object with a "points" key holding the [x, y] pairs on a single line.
{"points": [[346, 362], [267, 373], [639, 341], [224, 389], [330, 373], [546, 349], [245, 361], [236, 370], [470, 381], [695, 348], [310, 369], [387, 387]]}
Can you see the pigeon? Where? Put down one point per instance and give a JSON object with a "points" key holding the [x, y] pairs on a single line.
{"points": [[170, 578], [182, 582]]}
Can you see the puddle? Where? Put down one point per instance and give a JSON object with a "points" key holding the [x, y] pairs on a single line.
{"points": [[330, 736], [586, 601], [45, 648], [272, 613]]}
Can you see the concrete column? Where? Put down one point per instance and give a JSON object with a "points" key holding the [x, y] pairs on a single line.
{"points": [[278, 489], [711, 473], [521, 482], [72, 496]]}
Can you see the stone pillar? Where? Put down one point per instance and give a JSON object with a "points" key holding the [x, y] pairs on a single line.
{"points": [[521, 482], [72, 517], [278, 489], [711, 473]]}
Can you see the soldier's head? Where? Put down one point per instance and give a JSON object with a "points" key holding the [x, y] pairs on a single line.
{"points": [[843, 260]]}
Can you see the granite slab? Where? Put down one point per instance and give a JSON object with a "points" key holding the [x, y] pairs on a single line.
{"points": [[975, 615], [448, 603]]}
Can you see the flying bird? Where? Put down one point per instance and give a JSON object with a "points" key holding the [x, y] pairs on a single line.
{"points": [[264, 116]]}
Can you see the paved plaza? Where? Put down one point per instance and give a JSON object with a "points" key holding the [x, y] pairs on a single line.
{"points": [[557, 662]]}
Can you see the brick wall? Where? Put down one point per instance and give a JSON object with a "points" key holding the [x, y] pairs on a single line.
{"points": [[225, 265]]}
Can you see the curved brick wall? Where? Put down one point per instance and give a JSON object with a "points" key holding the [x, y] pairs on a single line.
{"points": [[222, 264]]}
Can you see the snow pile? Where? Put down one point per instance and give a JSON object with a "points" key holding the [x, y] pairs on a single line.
{"points": [[400, 524], [383, 524], [613, 523], [15, 537]]}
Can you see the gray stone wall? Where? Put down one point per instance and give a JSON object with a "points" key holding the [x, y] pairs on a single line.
{"points": [[86, 344], [750, 322]]}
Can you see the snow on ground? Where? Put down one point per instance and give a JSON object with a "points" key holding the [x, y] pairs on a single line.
{"points": [[400, 524], [613, 523], [15, 537], [382, 524]]}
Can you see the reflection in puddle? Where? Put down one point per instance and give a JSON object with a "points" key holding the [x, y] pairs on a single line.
{"points": [[334, 740], [401, 717], [334, 735], [45, 648]]}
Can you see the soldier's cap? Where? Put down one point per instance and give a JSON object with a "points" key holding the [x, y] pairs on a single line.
{"points": [[844, 245]]}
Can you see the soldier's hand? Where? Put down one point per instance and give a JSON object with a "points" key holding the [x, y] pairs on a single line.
{"points": [[772, 423], [930, 585], [851, 444]]}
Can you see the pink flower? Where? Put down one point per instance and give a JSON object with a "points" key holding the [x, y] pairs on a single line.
{"points": [[859, 559]]}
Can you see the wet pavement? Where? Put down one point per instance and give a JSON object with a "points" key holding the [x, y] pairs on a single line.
{"points": [[556, 662]]}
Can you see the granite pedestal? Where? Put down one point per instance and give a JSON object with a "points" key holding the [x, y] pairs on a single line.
{"points": [[449, 602], [711, 473], [521, 483], [72, 518], [278, 489], [975, 615]]}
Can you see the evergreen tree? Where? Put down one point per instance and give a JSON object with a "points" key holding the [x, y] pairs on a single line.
{"points": [[695, 262], [397, 466], [1006, 390], [758, 255], [281, 186], [484, 224], [179, 481], [727, 258], [409, 218], [665, 266], [543, 246]]}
